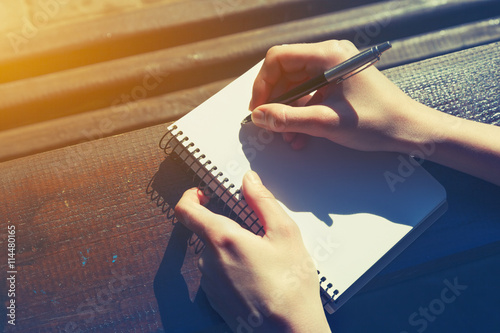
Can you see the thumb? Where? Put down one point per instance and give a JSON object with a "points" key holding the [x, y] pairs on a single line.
{"points": [[193, 215], [315, 120]]}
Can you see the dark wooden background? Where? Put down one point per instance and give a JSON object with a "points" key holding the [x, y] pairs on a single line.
{"points": [[83, 180]]}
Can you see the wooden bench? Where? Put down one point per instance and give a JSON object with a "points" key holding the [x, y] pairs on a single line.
{"points": [[95, 247], [78, 84]]}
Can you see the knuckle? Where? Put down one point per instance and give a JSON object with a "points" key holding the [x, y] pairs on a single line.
{"points": [[180, 209], [289, 230], [328, 120], [277, 49], [344, 48], [274, 51], [225, 241], [265, 195], [347, 45], [278, 120]]}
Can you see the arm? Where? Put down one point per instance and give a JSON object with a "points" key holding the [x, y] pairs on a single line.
{"points": [[366, 112], [465, 145], [266, 283]]}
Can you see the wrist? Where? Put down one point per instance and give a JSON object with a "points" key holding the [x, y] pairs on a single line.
{"points": [[420, 129], [297, 315], [308, 318]]}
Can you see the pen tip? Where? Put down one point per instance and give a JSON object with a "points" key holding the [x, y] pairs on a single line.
{"points": [[247, 119]]}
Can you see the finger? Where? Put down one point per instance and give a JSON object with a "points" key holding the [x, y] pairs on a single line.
{"points": [[296, 140], [297, 63], [315, 120], [299, 141], [289, 137], [271, 215], [197, 218]]}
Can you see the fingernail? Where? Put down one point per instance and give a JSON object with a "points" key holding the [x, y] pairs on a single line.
{"points": [[258, 117], [202, 197], [288, 137], [253, 177]]}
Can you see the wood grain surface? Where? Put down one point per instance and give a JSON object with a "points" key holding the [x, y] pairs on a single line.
{"points": [[95, 250]]}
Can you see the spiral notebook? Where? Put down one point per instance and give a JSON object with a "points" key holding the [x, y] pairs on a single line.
{"points": [[356, 210]]}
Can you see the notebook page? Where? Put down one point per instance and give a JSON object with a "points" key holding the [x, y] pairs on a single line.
{"points": [[348, 212]]}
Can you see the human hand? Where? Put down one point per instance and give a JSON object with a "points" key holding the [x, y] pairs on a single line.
{"points": [[366, 112], [266, 283]]}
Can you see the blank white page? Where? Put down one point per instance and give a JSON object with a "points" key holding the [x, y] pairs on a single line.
{"points": [[348, 213]]}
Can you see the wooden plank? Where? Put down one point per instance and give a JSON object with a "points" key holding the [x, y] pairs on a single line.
{"points": [[155, 73], [38, 48], [435, 43], [98, 124], [93, 250], [73, 214], [50, 13], [156, 110]]}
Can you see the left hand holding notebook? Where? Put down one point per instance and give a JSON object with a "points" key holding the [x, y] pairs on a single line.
{"points": [[264, 283]]}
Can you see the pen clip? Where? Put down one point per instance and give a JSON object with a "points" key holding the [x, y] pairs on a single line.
{"points": [[343, 78]]}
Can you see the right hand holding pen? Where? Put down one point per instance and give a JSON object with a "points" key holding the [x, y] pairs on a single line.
{"points": [[365, 112]]}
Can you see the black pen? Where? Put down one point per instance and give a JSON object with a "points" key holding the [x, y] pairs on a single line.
{"points": [[334, 75]]}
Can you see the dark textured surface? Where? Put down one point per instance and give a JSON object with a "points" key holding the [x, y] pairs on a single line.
{"points": [[465, 86], [435, 43]]}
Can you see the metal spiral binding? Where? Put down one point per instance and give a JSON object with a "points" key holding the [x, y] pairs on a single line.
{"points": [[202, 156], [179, 148], [326, 297], [202, 185], [230, 198], [184, 139], [197, 150], [156, 197], [169, 132], [225, 180], [207, 186]]}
